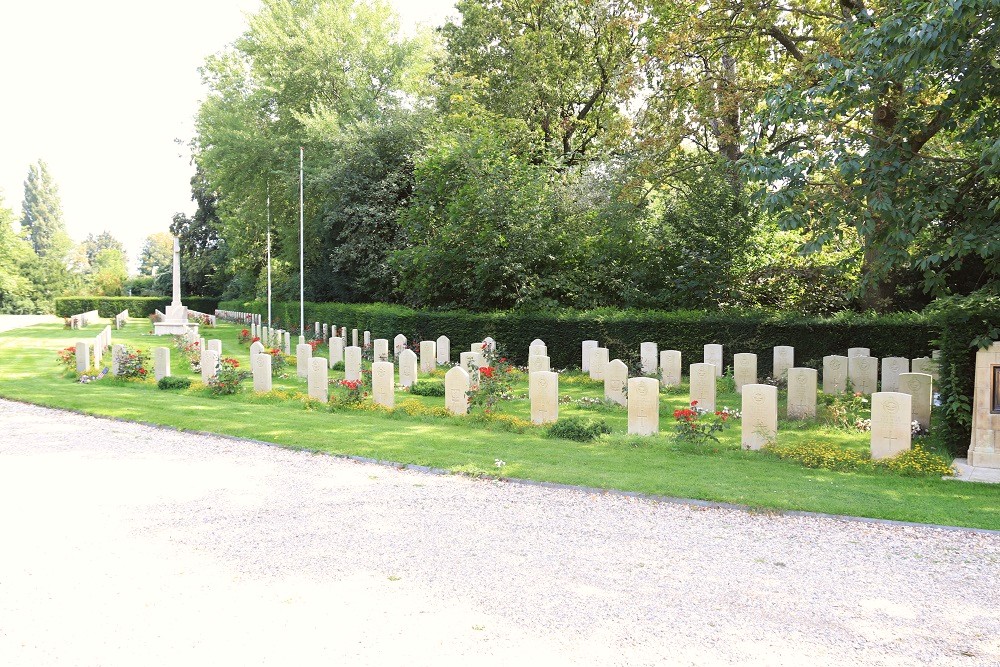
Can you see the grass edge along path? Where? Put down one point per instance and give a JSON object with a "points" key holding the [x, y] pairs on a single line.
{"points": [[650, 468]]}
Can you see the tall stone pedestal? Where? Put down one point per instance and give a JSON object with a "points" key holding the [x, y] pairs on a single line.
{"points": [[984, 450]]}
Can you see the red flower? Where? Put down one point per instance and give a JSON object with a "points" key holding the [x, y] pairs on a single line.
{"points": [[694, 403], [142, 371], [256, 339], [486, 371]]}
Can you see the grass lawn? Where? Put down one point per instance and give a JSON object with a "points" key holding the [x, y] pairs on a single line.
{"points": [[661, 465]]}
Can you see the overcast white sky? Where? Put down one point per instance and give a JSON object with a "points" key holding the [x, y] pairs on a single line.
{"points": [[100, 90]]}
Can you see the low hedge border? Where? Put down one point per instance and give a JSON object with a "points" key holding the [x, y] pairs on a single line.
{"points": [[138, 306]]}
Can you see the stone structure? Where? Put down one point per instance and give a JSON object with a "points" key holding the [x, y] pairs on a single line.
{"points": [[336, 350], [456, 389], [256, 348], [407, 368], [288, 342], [760, 415], [303, 355], [489, 345], [863, 374], [892, 368], [545, 397], [209, 365], [703, 385], [920, 387], [586, 348], [117, 356], [352, 363], [835, 374], [443, 346], [428, 356], [398, 344], [215, 345], [354, 338], [784, 358], [366, 338], [161, 362], [744, 370], [890, 423], [538, 347], [713, 355], [82, 356], [616, 381], [670, 367], [383, 382], [261, 368], [925, 365], [858, 352], [643, 406], [801, 393], [319, 379], [984, 448], [380, 349], [175, 320], [647, 358], [599, 358]]}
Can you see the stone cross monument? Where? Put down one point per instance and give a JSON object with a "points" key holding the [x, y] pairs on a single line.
{"points": [[175, 321]]}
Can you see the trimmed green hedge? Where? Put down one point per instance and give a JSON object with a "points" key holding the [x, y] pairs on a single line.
{"points": [[905, 335], [966, 324], [138, 306]]}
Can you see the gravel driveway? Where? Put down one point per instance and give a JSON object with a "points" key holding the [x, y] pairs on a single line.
{"points": [[122, 544]]}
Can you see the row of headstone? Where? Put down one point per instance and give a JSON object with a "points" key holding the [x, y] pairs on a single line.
{"points": [[81, 320], [121, 319], [93, 350], [202, 318], [238, 317]]}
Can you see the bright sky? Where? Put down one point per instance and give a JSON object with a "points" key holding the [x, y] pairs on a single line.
{"points": [[101, 90]]}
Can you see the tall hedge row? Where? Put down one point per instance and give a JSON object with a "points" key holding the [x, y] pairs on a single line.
{"points": [[138, 306], [966, 324], [563, 331]]}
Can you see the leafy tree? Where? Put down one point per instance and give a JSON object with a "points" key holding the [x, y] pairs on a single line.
{"points": [[203, 251], [109, 272], [41, 220], [567, 68], [899, 144], [157, 253], [15, 253], [93, 245]]}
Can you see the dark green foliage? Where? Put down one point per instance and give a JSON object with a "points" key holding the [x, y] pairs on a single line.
{"points": [[203, 249], [966, 324], [171, 382], [138, 306], [428, 388], [41, 220], [905, 335], [580, 429]]}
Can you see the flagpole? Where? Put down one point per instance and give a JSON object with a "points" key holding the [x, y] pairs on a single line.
{"points": [[302, 277], [269, 256]]}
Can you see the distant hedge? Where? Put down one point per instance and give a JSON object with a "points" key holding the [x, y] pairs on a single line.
{"points": [[138, 306], [905, 335], [966, 324]]}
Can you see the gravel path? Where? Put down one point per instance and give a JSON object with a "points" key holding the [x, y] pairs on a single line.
{"points": [[122, 544]]}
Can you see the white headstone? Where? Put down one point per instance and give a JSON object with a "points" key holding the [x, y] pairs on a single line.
{"points": [[643, 406], [703, 385], [336, 350], [784, 358], [352, 363], [891, 416], [713, 355], [925, 365], [647, 358], [383, 383], [615, 381], [261, 368], [303, 354], [161, 362], [835, 374], [380, 349], [354, 337], [489, 344], [319, 379], [428, 356], [545, 397], [117, 356], [82, 356], [863, 374], [670, 367], [443, 350], [538, 347], [456, 387], [98, 350], [760, 415], [802, 393], [398, 344], [366, 338], [858, 352], [920, 387], [316, 327], [744, 370], [470, 363], [536, 363], [599, 358], [209, 365], [288, 342], [407, 368], [255, 348], [586, 348], [892, 368]]}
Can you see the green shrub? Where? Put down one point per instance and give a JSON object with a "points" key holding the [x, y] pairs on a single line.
{"points": [[905, 335], [426, 388], [138, 306], [171, 382], [580, 429]]}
